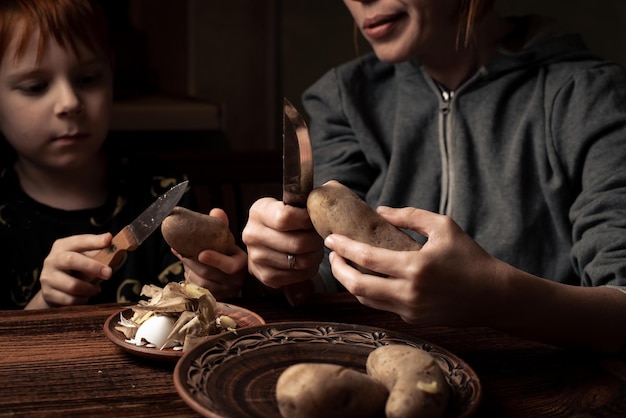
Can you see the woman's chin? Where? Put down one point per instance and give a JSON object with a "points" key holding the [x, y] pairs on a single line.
{"points": [[391, 53]]}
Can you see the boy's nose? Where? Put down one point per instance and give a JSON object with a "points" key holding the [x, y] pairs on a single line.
{"points": [[68, 102]]}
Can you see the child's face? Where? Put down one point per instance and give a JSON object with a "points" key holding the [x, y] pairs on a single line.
{"points": [[55, 113]]}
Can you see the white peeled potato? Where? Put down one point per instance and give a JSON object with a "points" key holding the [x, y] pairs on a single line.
{"points": [[417, 386], [322, 390]]}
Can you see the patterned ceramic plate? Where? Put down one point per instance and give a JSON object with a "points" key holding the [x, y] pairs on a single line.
{"points": [[234, 375]]}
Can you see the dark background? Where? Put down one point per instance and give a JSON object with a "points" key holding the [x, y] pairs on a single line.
{"points": [[211, 74], [200, 83]]}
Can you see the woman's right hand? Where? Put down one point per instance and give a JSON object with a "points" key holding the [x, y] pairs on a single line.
{"points": [[68, 274], [274, 231]]}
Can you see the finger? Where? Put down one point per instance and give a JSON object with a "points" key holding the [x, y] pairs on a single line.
{"points": [[229, 264], [279, 260], [374, 291], [93, 269], [381, 260], [206, 276], [229, 270], [70, 261], [221, 285], [213, 283], [418, 220], [61, 288], [277, 278], [276, 215], [200, 269], [259, 235], [82, 243], [293, 242], [220, 214], [55, 297]]}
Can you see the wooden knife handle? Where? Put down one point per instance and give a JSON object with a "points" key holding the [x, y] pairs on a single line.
{"points": [[121, 243]]}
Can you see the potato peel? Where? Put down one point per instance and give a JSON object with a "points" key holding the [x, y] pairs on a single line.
{"points": [[191, 306]]}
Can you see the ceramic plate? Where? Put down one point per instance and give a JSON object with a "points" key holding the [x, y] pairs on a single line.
{"points": [[233, 376], [243, 317]]}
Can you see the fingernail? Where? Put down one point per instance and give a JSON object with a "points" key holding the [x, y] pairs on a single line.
{"points": [[330, 240], [106, 272]]}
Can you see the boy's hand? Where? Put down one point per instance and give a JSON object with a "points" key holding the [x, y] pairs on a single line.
{"points": [[224, 275], [68, 269]]}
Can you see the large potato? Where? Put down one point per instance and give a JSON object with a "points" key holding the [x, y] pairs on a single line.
{"points": [[190, 232], [321, 390], [335, 209], [417, 386]]}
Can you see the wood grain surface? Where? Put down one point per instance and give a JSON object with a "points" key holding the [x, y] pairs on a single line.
{"points": [[59, 362]]}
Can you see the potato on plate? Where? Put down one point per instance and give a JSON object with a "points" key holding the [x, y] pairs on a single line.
{"points": [[324, 390], [417, 386]]}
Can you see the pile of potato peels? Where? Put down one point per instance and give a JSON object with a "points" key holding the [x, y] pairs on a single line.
{"points": [[192, 307]]}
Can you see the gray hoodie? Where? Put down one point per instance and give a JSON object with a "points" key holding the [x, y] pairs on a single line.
{"points": [[528, 156]]}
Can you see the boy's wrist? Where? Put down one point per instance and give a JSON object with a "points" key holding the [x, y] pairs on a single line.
{"points": [[37, 302]]}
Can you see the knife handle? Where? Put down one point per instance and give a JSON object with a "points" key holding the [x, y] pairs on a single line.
{"points": [[121, 243]]}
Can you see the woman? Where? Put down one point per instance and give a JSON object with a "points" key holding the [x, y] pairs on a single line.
{"points": [[501, 143]]}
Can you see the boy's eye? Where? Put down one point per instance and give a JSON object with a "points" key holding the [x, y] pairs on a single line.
{"points": [[33, 88], [87, 80]]}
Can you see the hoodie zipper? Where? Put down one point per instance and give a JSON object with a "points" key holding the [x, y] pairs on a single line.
{"points": [[444, 110]]}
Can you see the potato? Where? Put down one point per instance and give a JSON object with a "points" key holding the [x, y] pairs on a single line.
{"points": [[309, 390], [334, 208], [190, 232], [417, 386]]}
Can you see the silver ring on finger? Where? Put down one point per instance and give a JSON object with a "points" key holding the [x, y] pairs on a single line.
{"points": [[291, 260]]}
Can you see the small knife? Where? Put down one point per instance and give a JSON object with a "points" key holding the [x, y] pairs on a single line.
{"points": [[297, 182], [135, 233]]}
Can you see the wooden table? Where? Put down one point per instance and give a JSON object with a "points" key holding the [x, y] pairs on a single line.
{"points": [[58, 362]]}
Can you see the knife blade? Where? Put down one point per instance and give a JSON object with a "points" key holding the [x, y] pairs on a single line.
{"points": [[297, 158], [297, 182], [135, 233]]}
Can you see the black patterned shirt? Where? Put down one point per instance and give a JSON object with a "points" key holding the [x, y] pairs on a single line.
{"points": [[28, 230]]}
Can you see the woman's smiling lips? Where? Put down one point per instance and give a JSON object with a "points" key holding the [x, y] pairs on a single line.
{"points": [[380, 26]]}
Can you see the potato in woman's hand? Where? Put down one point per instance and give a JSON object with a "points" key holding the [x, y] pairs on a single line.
{"points": [[310, 390], [417, 386], [189, 233], [335, 209]]}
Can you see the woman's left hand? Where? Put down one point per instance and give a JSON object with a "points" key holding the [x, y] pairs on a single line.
{"points": [[450, 281]]}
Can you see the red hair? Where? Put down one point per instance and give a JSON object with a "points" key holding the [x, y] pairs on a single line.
{"points": [[64, 21]]}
